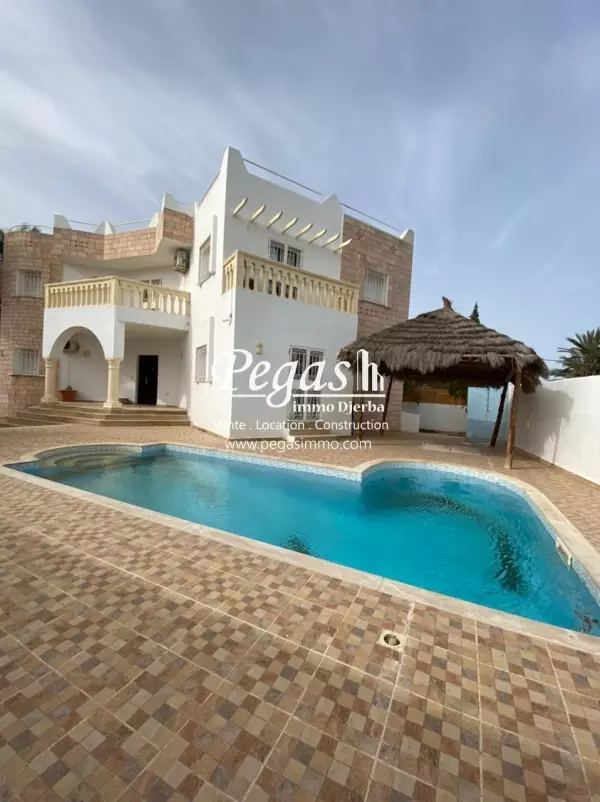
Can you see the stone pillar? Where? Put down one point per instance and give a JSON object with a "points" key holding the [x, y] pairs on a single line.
{"points": [[51, 382], [112, 394]]}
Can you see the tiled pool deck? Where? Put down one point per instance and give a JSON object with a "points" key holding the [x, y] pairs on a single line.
{"points": [[141, 661]]}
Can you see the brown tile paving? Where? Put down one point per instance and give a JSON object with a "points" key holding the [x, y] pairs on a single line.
{"points": [[307, 764], [144, 663], [440, 675], [434, 744], [347, 704], [307, 623], [438, 628], [519, 768], [356, 643], [326, 591], [256, 604], [217, 643], [524, 707], [515, 653], [576, 670]]}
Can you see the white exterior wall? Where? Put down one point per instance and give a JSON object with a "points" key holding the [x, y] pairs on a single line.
{"points": [[279, 323], [170, 351], [209, 406], [85, 371], [443, 418], [60, 324], [237, 319], [560, 423], [241, 235]]}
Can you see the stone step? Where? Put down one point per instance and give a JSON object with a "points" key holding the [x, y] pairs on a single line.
{"points": [[23, 419], [95, 411], [49, 414]]}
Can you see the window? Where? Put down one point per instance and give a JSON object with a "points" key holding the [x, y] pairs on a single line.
{"points": [[304, 407], [286, 254], [204, 261], [298, 355], [306, 357], [294, 256], [276, 251], [313, 358], [201, 364], [29, 283], [375, 287], [26, 362]]}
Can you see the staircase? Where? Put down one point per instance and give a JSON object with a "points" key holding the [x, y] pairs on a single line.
{"points": [[92, 414]]}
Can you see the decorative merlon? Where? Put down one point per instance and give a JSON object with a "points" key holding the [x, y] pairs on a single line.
{"points": [[105, 228]]}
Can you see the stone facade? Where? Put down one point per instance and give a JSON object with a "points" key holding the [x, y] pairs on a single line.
{"points": [[21, 318], [386, 253]]}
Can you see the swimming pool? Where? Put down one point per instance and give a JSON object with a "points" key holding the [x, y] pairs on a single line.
{"points": [[442, 530]]}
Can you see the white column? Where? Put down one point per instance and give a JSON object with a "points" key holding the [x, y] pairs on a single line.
{"points": [[51, 382], [112, 394]]}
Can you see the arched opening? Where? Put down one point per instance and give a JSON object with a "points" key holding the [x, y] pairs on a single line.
{"points": [[82, 364]]}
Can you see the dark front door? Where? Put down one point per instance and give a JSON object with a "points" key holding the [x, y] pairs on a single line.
{"points": [[147, 379]]}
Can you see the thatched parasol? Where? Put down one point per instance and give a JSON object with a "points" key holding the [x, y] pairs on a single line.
{"points": [[443, 346]]}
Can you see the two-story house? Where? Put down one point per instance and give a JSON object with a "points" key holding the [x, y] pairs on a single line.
{"points": [[155, 315]]}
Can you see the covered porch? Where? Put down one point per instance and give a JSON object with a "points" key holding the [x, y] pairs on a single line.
{"points": [[141, 367]]}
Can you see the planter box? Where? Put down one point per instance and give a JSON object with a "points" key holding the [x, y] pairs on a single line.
{"points": [[67, 395]]}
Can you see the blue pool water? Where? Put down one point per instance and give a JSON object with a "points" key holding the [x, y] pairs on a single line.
{"points": [[443, 531]]}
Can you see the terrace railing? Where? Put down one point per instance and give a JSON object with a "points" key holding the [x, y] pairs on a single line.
{"points": [[117, 291], [245, 271]]}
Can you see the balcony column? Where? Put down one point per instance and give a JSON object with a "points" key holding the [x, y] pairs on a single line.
{"points": [[112, 394], [50, 381]]}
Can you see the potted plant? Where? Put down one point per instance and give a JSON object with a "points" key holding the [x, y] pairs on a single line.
{"points": [[68, 394]]}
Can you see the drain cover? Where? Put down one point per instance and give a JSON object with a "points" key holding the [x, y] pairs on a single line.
{"points": [[390, 639]]}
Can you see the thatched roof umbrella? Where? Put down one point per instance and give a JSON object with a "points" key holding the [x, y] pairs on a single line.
{"points": [[443, 346]]}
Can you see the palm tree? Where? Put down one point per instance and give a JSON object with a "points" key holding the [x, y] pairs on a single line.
{"points": [[582, 357]]}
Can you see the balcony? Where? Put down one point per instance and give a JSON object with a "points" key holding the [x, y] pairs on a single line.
{"points": [[116, 291], [248, 272]]}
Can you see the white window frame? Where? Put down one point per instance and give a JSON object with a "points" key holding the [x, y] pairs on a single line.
{"points": [[286, 251], [27, 292], [305, 357], [201, 376], [26, 362], [204, 261], [367, 293]]}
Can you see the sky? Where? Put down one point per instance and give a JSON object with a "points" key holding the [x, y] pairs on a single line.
{"points": [[475, 123]]}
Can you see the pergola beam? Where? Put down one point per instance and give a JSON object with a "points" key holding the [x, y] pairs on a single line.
{"points": [[302, 231], [287, 226], [330, 240], [258, 212], [342, 245], [317, 235], [239, 207], [274, 219]]}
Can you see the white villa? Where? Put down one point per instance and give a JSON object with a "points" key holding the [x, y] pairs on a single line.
{"points": [[152, 316]]}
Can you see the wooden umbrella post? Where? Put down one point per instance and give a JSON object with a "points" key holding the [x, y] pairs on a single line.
{"points": [[512, 427], [499, 415], [386, 404]]}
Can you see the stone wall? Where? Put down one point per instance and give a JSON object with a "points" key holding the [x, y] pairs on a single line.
{"points": [[386, 253], [22, 318]]}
